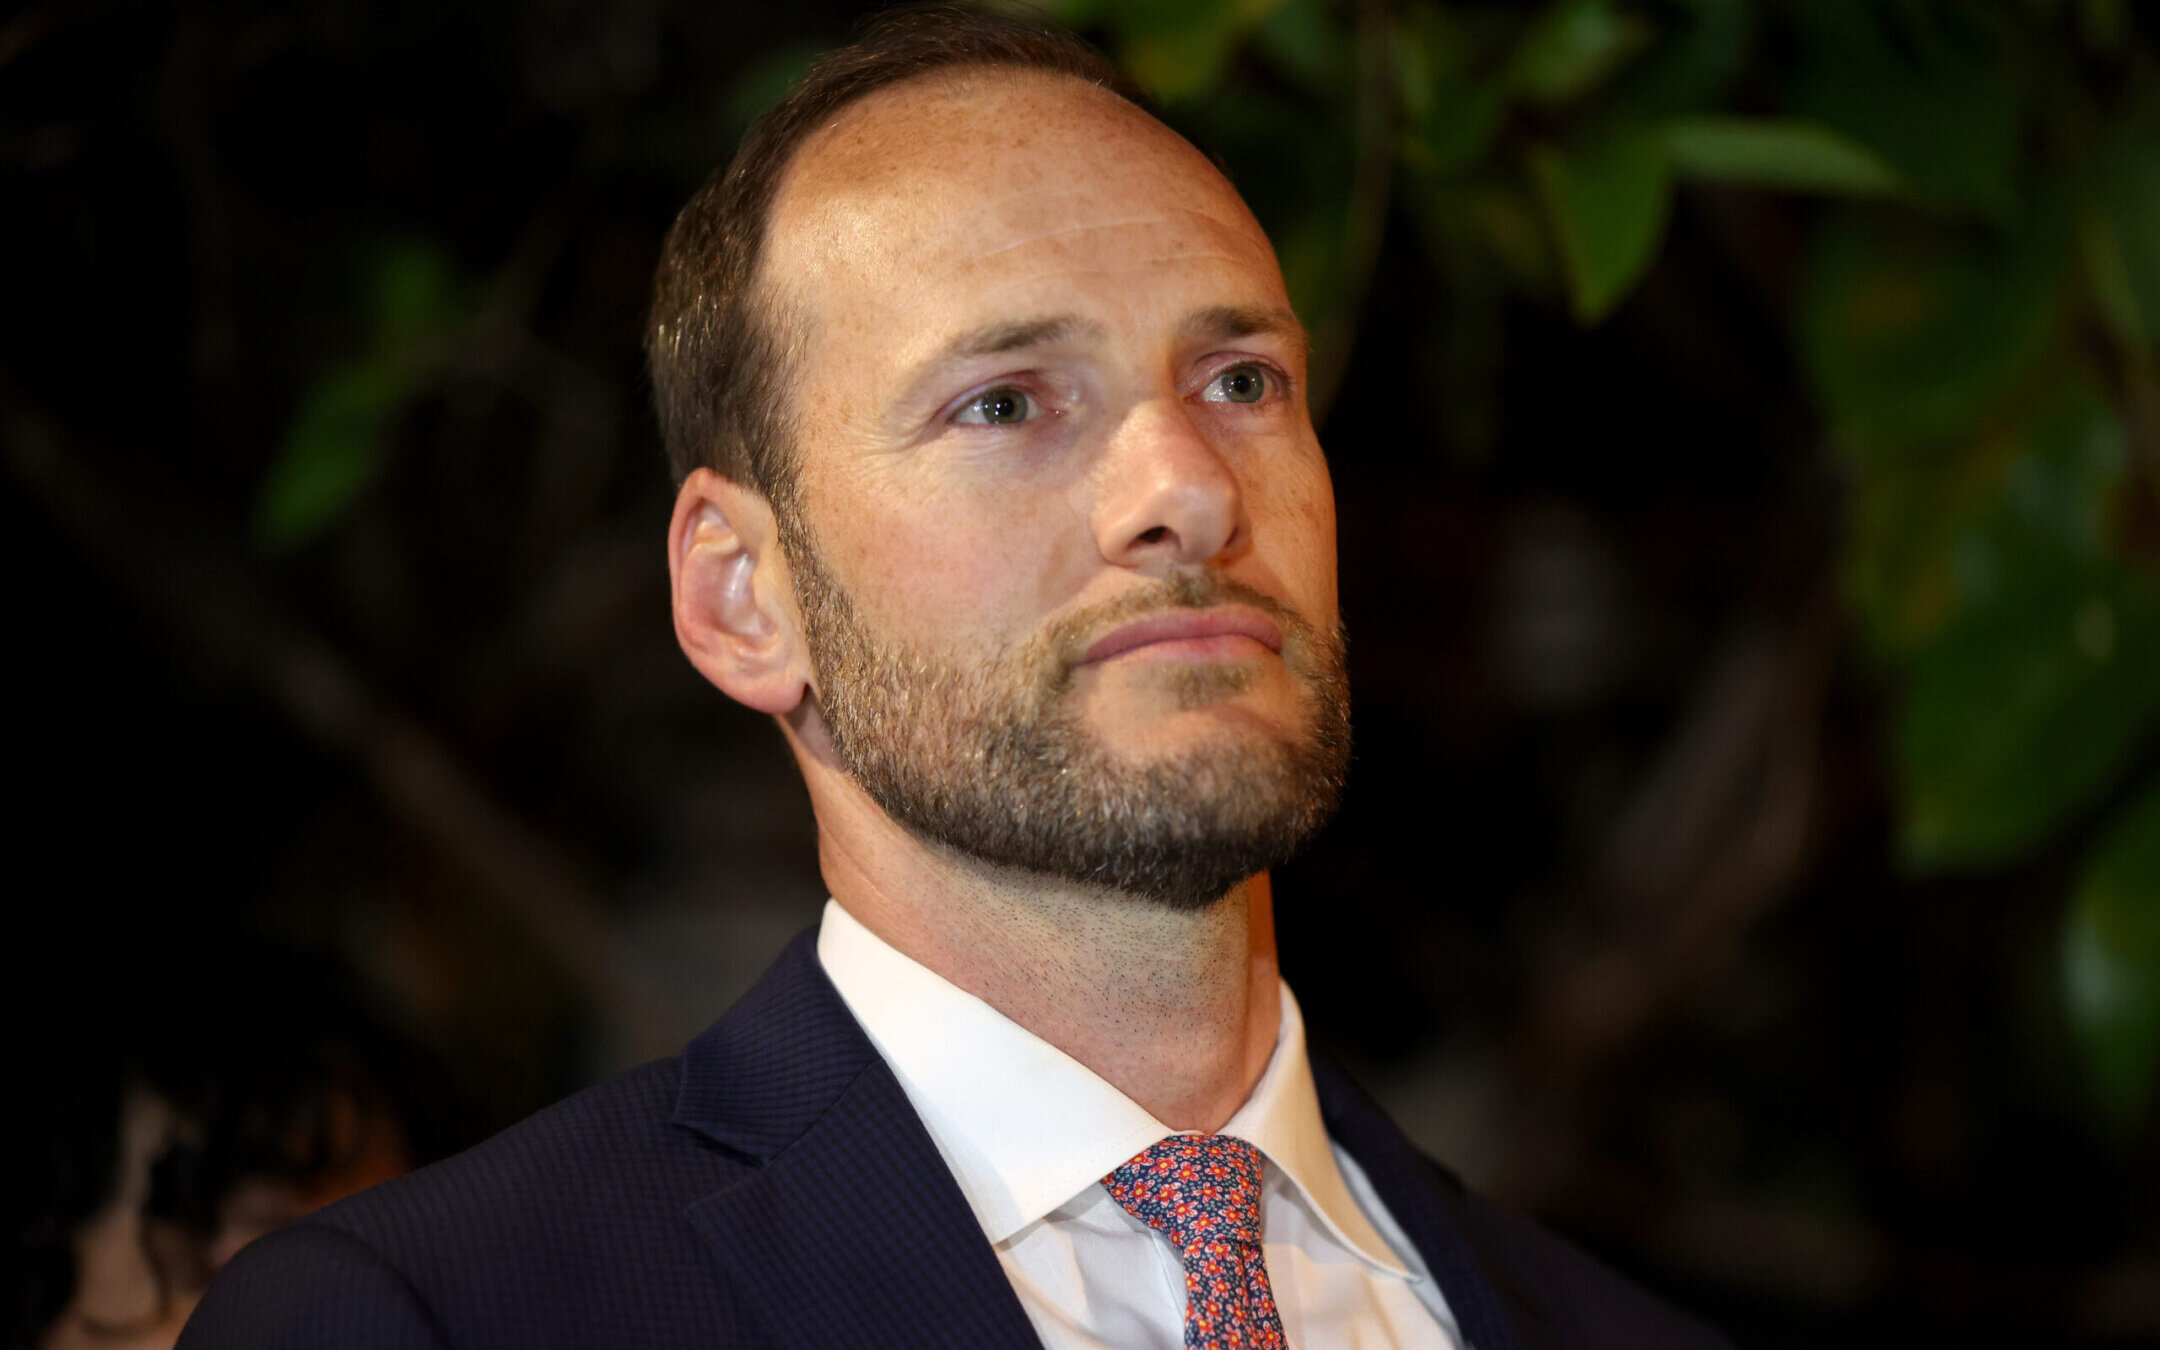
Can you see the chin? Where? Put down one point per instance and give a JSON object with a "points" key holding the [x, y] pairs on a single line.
{"points": [[1177, 701]]}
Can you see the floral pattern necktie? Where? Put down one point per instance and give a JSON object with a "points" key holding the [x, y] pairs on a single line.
{"points": [[1202, 1191]]}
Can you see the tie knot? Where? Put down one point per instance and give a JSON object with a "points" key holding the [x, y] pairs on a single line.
{"points": [[1193, 1188]]}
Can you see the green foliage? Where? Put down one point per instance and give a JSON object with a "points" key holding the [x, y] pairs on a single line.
{"points": [[1177, 51], [2046, 679], [2111, 961], [334, 447], [1914, 332], [1301, 41], [1937, 90], [1572, 48], [332, 451], [2121, 240], [2017, 719], [1776, 153], [2040, 677], [1607, 203], [1700, 53]]}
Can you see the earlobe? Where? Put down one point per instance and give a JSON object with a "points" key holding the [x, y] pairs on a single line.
{"points": [[734, 602]]}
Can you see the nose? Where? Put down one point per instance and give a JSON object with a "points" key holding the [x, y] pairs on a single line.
{"points": [[1167, 494]]}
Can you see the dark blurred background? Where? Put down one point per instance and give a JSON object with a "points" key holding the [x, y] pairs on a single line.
{"points": [[1746, 427]]}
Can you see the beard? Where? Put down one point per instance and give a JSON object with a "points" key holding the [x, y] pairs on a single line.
{"points": [[994, 759]]}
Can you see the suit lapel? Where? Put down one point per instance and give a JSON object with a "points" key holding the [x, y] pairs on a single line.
{"points": [[1428, 1202], [851, 1229]]}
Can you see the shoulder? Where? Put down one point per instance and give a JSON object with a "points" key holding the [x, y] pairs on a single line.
{"points": [[574, 1213], [310, 1285], [608, 1148], [597, 1221], [594, 1159]]}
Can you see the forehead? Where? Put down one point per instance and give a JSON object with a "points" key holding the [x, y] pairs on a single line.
{"points": [[1010, 187]]}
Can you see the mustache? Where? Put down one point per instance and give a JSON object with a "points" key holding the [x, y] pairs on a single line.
{"points": [[1184, 587]]}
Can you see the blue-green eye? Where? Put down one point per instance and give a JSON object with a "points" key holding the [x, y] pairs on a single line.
{"points": [[1002, 406], [1238, 384]]}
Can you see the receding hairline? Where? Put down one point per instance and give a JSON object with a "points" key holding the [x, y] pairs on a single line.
{"points": [[974, 76], [958, 79], [955, 82], [780, 307]]}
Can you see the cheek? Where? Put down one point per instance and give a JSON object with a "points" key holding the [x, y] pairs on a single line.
{"points": [[1294, 529], [934, 562]]}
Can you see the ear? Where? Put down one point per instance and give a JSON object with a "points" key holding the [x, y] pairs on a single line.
{"points": [[735, 613]]}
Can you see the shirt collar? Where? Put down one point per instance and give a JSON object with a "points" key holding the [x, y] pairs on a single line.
{"points": [[1025, 1127]]}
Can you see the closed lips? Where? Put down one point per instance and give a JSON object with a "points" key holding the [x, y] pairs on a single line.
{"points": [[1187, 626]]}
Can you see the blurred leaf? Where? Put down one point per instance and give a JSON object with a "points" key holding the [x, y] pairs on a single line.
{"points": [[1913, 334], [1932, 537], [2107, 272], [1794, 156], [2020, 716], [2063, 487], [1452, 128], [2103, 24], [2036, 672], [2111, 960], [1607, 205], [1455, 41], [1696, 61], [412, 292], [1944, 110], [2122, 240], [1177, 49], [1904, 522], [1305, 40], [1449, 118], [333, 450], [1431, 43], [1487, 227], [1573, 47]]}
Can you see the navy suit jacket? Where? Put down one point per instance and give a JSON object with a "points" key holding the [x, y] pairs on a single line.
{"points": [[772, 1186]]}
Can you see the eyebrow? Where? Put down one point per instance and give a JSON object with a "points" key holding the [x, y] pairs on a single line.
{"points": [[1220, 323], [995, 339], [1215, 323]]}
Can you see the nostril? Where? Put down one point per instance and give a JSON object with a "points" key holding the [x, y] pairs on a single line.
{"points": [[1154, 536]]}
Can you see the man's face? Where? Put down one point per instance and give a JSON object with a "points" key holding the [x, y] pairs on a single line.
{"points": [[1066, 539]]}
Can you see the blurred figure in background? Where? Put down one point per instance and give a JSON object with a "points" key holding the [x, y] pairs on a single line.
{"points": [[176, 1119]]}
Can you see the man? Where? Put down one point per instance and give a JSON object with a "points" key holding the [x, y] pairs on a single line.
{"points": [[1000, 493]]}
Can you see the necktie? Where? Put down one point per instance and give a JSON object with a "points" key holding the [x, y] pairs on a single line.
{"points": [[1202, 1191]]}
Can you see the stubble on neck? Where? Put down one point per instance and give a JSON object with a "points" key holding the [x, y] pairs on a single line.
{"points": [[1178, 1008]]}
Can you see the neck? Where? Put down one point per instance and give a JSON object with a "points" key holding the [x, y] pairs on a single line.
{"points": [[1176, 1009]]}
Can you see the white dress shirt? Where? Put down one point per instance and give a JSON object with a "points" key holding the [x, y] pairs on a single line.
{"points": [[1029, 1132]]}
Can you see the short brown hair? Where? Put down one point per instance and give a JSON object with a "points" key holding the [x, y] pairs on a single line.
{"points": [[720, 357]]}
